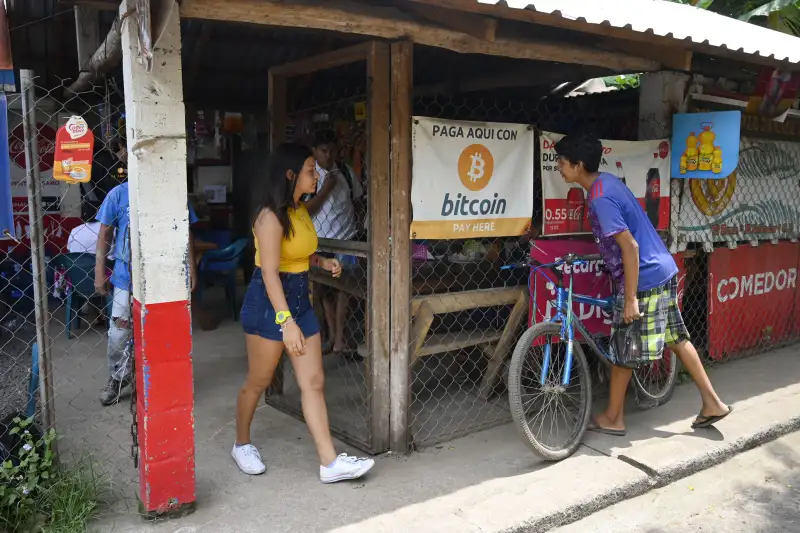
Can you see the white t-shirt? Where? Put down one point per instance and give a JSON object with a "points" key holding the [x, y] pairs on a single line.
{"points": [[83, 239], [336, 217]]}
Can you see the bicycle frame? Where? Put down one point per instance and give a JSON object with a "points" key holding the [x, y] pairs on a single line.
{"points": [[566, 317]]}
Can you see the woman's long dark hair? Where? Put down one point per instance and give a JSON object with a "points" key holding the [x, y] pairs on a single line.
{"points": [[275, 192]]}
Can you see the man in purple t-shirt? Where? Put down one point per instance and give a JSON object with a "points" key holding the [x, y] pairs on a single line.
{"points": [[645, 277]]}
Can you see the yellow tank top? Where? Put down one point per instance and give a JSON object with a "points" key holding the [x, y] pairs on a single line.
{"points": [[296, 250]]}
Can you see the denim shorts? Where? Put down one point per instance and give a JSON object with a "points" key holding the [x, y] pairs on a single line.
{"points": [[258, 315]]}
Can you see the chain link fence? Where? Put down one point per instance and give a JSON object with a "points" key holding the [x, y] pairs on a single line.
{"points": [[73, 342], [734, 241], [329, 115], [737, 237]]}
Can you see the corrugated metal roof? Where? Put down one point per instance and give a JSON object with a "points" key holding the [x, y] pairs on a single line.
{"points": [[669, 19]]}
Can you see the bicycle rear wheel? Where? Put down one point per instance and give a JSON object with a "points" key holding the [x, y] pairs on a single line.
{"points": [[551, 417], [655, 382]]}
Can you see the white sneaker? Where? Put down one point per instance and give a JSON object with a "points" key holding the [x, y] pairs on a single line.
{"points": [[248, 459], [345, 467]]}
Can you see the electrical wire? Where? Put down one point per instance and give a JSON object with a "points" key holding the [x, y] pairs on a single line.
{"points": [[37, 21]]}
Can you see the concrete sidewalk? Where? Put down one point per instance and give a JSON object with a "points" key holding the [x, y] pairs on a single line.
{"points": [[486, 482]]}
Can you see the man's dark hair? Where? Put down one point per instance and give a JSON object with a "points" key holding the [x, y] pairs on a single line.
{"points": [[583, 148], [88, 211], [323, 137]]}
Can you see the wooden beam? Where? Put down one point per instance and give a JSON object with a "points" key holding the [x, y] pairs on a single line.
{"points": [[390, 23], [670, 57], [484, 28], [402, 65], [453, 302], [422, 324], [378, 117], [335, 58], [509, 336]]}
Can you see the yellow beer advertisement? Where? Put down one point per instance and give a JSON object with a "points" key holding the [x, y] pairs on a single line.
{"points": [[471, 179]]}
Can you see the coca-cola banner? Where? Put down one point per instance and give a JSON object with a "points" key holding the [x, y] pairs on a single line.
{"points": [[642, 165], [471, 179], [760, 200]]}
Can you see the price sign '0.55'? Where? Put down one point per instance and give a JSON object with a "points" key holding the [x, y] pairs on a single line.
{"points": [[74, 150]]}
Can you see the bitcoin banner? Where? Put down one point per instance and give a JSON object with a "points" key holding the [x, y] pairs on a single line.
{"points": [[642, 165], [760, 200], [471, 179]]}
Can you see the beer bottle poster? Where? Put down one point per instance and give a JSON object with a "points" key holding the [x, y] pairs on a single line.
{"points": [[471, 179], [642, 165], [74, 152]]}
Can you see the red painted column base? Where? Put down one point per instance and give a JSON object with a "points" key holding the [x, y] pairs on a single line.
{"points": [[165, 406]]}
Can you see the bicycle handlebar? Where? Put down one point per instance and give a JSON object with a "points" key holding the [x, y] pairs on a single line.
{"points": [[569, 259]]}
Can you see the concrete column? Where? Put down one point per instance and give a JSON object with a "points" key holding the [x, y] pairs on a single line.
{"points": [[661, 95], [159, 232]]}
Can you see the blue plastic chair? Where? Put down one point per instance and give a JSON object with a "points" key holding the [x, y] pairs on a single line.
{"points": [[220, 266], [33, 386], [222, 238], [80, 271]]}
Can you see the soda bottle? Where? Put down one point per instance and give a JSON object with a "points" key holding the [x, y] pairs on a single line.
{"points": [[576, 206], [652, 200], [621, 173]]}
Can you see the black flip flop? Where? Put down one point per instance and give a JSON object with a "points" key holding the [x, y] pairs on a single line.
{"points": [[708, 421], [606, 431]]}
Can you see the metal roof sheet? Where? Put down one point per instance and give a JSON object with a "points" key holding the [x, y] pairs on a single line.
{"points": [[669, 19]]}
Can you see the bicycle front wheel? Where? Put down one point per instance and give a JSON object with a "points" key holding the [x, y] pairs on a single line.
{"points": [[551, 417]]}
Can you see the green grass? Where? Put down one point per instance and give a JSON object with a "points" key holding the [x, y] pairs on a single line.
{"points": [[73, 500], [67, 503]]}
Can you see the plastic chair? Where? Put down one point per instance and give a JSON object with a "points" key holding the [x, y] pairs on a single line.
{"points": [[221, 265], [222, 238], [80, 271], [33, 386]]}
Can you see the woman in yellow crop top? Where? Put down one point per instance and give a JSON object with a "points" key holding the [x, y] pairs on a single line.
{"points": [[277, 314]]}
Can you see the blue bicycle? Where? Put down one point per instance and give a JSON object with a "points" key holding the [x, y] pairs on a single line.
{"points": [[549, 378]]}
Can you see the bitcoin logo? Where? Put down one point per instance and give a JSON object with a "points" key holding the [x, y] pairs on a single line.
{"points": [[475, 167], [712, 196]]}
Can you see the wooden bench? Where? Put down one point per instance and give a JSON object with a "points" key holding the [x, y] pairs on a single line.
{"points": [[494, 343]]}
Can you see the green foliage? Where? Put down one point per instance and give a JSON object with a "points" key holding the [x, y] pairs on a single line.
{"points": [[779, 15], [623, 81], [38, 496]]}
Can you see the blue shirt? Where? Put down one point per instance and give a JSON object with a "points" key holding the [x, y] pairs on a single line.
{"points": [[116, 213], [613, 209]]}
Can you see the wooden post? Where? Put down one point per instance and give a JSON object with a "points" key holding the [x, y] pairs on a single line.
{"points": [[378, 114], [276, 107], [402, 61]]}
